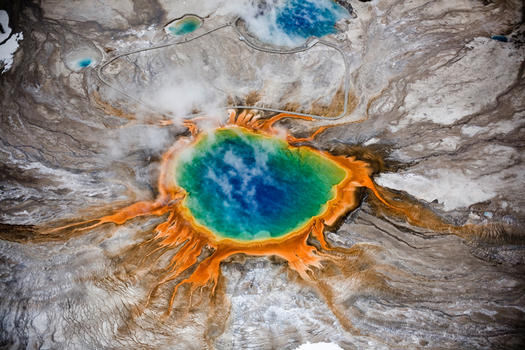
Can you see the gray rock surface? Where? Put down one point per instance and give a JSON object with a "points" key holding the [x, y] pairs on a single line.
{"points": [[436, 96]]}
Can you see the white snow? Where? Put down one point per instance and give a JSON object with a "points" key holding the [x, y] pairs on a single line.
{"points": [[451, 187], [498, 127], [372, 141], [4, 21], [8, 49], [472, 130], [449, 143]]}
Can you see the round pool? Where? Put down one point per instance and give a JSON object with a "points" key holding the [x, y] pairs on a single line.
{"points": [[245, 186]]}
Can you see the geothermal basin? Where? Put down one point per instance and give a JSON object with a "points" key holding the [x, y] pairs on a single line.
{"points": [[247, 186]]}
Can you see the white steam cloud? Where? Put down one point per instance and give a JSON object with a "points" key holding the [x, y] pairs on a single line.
{"points": [[182, 91], [261, 19], [137, 138], [198, 77]]}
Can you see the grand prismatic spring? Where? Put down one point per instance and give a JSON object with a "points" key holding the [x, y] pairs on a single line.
{"points": [[239, 189], [272, 174]]}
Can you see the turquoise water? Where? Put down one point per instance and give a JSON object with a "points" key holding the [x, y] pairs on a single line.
{"points": [[246, 186], [185, 26], [305, 18], [86, 62]]}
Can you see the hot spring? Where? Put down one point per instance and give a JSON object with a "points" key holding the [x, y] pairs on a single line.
{"points": [[84, 63], [184, 26], [291, 22], [81, 57], [245, 186], [299, 18]]}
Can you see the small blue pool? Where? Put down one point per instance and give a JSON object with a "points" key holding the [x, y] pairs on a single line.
{"points": [[84, 63], [501, 38], [184, 26]]}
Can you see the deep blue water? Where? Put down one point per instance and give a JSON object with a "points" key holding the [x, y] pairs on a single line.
{"points": [[501, 38], [85, 62], [246, 186], [305, 18]]}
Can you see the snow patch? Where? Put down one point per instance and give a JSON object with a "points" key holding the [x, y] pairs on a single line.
{"points": [[499, 127], [8, 49], [4, 22], [451, 187], [372, 141], [448, 144], [472, 130]]}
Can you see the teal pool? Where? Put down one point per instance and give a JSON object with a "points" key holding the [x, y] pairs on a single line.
{"points": [[246, 186], [184, 26]]}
